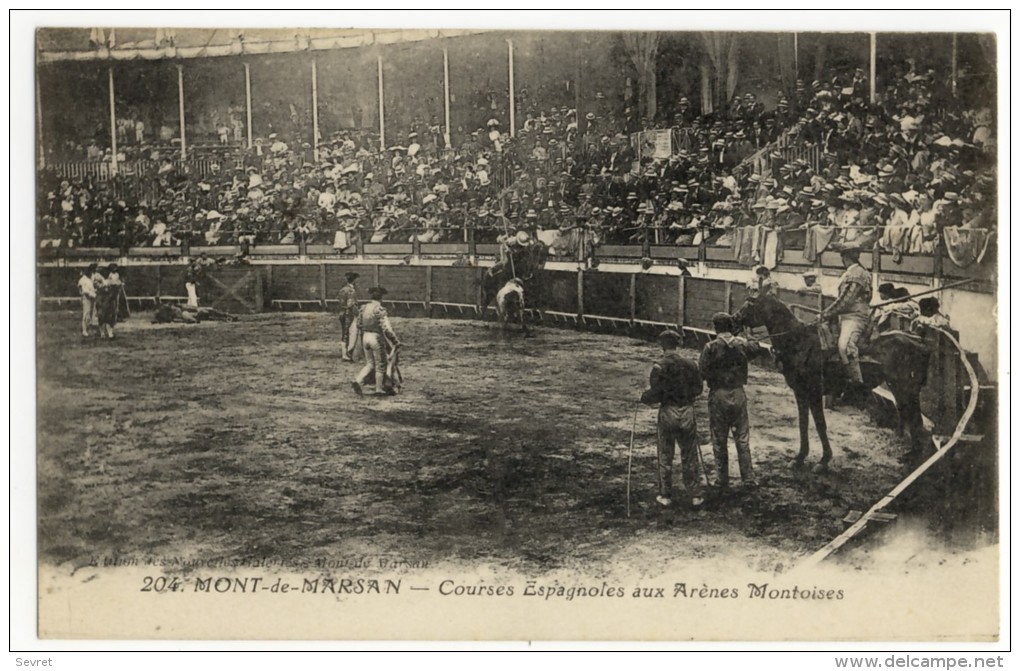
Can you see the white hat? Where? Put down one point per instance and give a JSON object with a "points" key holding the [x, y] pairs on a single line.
{"points": [[523, 238]]}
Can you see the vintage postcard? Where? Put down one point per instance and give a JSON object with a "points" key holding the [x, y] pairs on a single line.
{"points": [[517, 335]]}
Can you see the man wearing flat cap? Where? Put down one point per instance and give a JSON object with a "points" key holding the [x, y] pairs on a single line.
{"points": [[348, 299], [723, 364], [375, 329], [674, 384]]}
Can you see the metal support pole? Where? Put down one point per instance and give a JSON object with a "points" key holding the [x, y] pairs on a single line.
{"points": [[113, 128], [446, 95], [315, 113], [871, 78], [796, 57], [579, 113], [681, 302], [580, 295], [510, 65], [247, 99], [954, 66], [382, 112], [180, 106], [38, 120]]}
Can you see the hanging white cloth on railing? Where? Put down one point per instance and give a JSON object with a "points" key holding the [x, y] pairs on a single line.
{"points": [[966, 246]]}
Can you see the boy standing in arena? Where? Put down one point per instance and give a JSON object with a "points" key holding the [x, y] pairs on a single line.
{"points": [[348, 298]]}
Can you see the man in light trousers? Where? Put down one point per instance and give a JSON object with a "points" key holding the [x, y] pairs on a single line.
{"points": [[375, 329], [87, 289], [723, 365], [852, 305]]}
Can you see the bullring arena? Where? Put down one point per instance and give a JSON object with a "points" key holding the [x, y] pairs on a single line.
{"points": [[232, 180], [498, 448]]}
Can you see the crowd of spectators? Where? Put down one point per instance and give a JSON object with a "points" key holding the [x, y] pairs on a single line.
{"points": [[911, 172]]}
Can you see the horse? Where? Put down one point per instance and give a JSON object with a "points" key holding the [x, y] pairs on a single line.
{"points": [[522, 265], [510, 306], [895, 358]]}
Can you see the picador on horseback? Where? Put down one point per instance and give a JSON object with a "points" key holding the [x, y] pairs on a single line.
{"points": [[803, 352], [520, 258], [853, 307]]}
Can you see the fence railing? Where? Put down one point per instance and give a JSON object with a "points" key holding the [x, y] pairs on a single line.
{"points": [[627, 300], [103, 170]]}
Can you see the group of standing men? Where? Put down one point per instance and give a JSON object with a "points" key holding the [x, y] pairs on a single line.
{"points": [[379, 342], [676, 383], [101, 292]]}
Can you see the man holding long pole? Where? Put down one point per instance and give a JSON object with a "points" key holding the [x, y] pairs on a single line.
{"points": [[674, 384]]}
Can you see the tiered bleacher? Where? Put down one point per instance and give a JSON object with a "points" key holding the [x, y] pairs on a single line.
{"points": [[820, 165]]}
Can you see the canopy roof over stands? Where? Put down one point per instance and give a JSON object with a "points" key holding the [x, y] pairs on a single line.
{"points": [[92, 44]]}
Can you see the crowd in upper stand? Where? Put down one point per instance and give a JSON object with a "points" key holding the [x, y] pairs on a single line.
{"points": [[911, 173]]}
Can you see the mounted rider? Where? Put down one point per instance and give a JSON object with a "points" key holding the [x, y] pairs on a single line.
{"points": [[512, 247], [853, 308]]}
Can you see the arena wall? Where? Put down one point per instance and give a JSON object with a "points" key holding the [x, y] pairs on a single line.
{"points": [[615, 298]]}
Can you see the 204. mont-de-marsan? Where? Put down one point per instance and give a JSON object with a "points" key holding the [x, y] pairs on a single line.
{"points": [[481, 588]]}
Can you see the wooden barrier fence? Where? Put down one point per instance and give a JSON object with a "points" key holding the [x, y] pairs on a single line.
{"points": [[629, 302]]}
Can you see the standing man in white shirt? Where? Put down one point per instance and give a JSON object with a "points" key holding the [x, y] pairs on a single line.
{"points": [[87, 289]]}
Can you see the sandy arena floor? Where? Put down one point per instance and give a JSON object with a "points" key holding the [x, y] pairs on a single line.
{"points": [[245, 440]]}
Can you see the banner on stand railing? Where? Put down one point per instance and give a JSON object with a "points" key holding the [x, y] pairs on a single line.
{"points": [[653, 143]]}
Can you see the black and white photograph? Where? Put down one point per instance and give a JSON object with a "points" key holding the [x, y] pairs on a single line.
{"points": [[503, 334]]}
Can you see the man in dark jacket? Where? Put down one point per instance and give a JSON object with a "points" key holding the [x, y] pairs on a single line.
{"points": [[348, 299], [674, 384], [723, 364]]}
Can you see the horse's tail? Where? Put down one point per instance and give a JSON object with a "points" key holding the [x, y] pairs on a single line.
{"points": [[910, 354], [490, 287]]}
